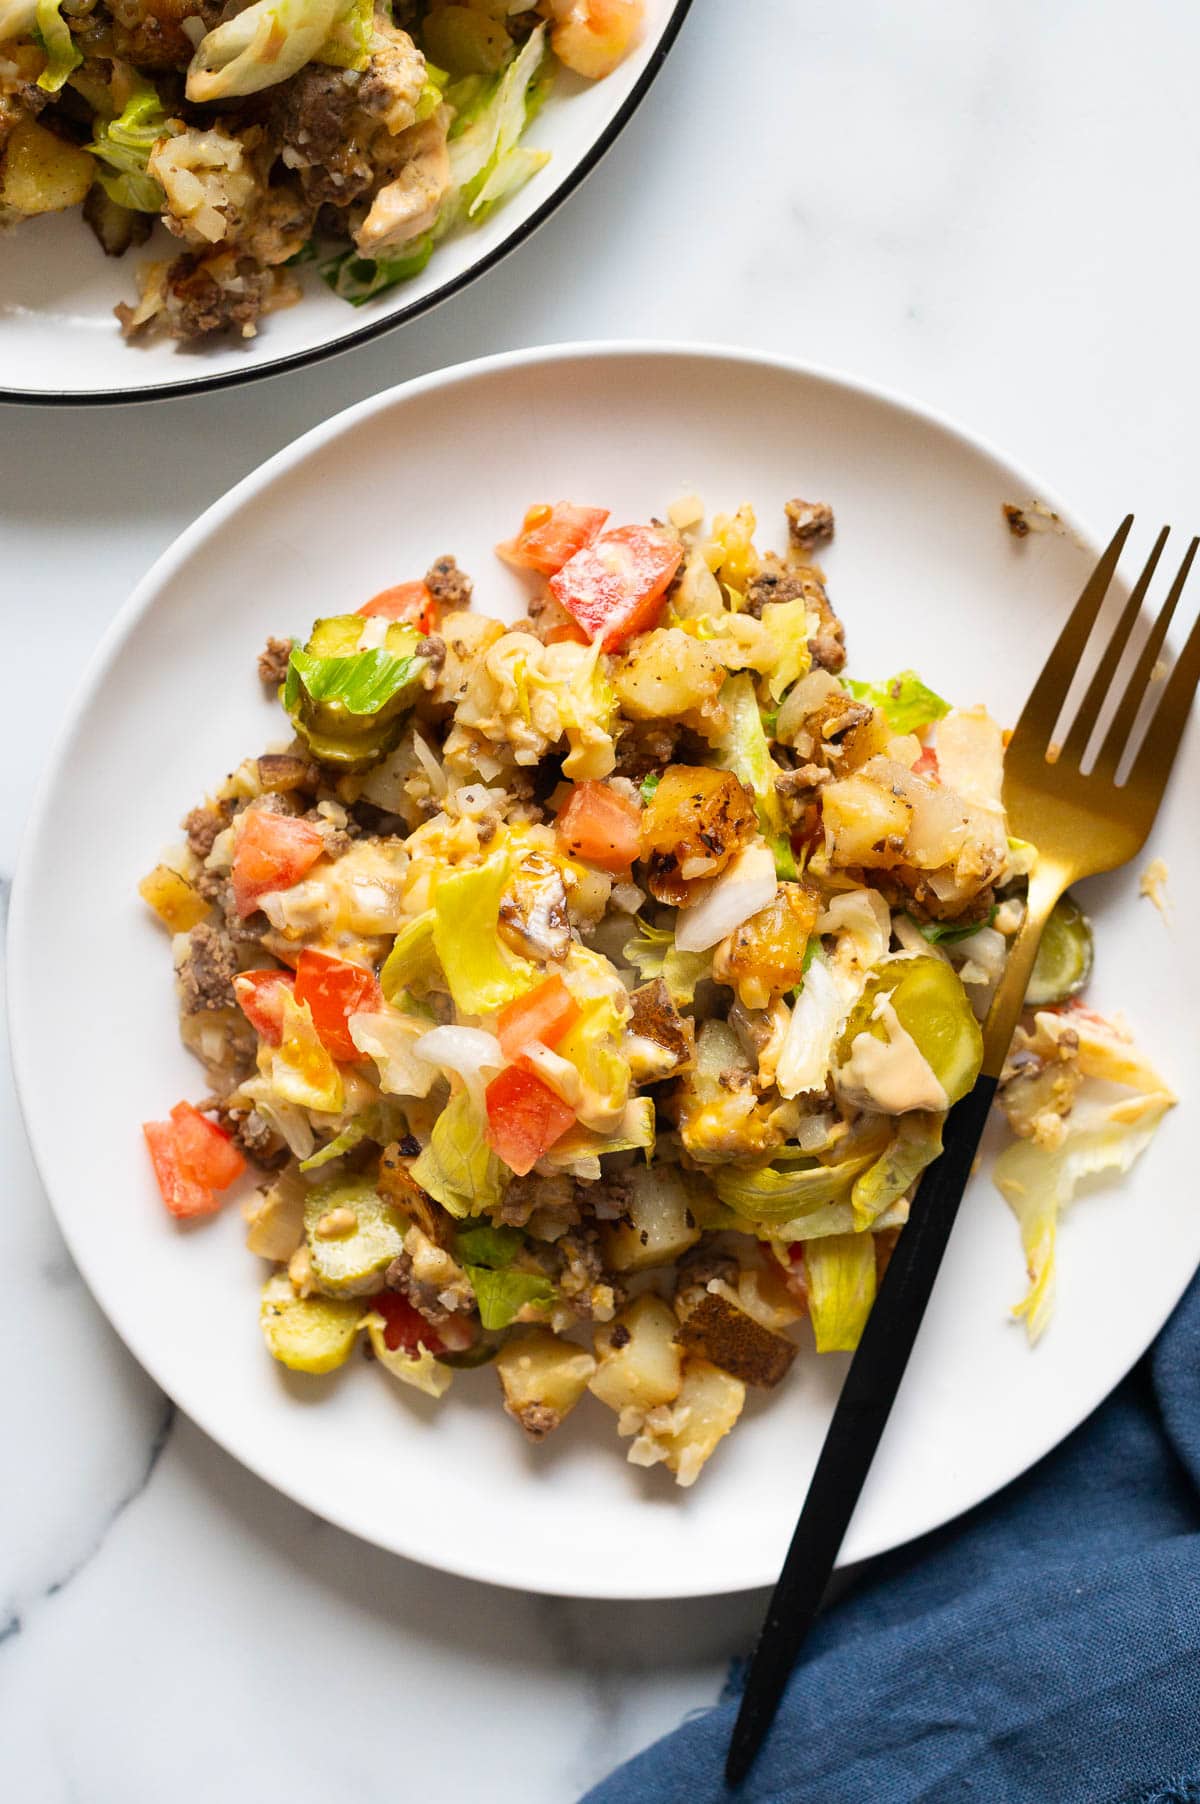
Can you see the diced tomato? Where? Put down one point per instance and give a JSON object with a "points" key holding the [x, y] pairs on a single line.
{"points": [[614, 586], [407, 1330], [551, 535], [407, 601], [184, 1195], [205, 1149], [599, 825], [260, 998], [334, 990], [525, 1118], [192, 1160], [543, 1014], [927, 764], [273, 852]]}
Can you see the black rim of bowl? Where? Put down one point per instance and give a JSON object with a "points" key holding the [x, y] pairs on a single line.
{"points": [[278, 366]]}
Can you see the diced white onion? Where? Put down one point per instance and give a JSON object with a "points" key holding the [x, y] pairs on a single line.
{"points": [[729, 899], [813, 1029]]}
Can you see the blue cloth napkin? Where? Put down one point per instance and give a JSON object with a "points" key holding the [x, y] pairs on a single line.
{"points": [[1045, 1649]]}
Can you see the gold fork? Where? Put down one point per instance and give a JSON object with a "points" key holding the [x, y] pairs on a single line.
{"points": [[1083, 821]]}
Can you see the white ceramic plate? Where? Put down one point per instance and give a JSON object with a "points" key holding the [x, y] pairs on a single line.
{"points": [[924, 573], [58, 289]]}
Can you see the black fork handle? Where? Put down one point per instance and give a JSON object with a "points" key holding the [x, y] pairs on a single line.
{"points": [[858, 1424]]}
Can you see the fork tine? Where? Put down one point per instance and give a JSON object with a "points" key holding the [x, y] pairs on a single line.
{"points": [[1152, 766], [1089, 708], [1046, 698], [1117, 737]]}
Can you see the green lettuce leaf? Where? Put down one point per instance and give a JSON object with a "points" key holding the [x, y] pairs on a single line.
{"points": [[654, 954], [488, 1245], [905, 700], [363, 683], [745, 752], [946, 933], [124, 144], [61, 54], [350, 1137], [487, 163], [412, 961], [359, 279], [648, 786], [916, 1144], [782, 1192], [1038, 1182], [458, 1168], [502, 1295], [348, 45], [466, 906], [841, 1289], [259, 47]]}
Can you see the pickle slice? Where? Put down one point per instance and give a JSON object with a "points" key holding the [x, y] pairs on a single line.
{"points": [[1064, 960], [353, 1235], [307, 1334], [932, 1007]]}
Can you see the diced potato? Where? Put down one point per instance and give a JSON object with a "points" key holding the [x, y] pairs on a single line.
{"points": [[42, 173], [307, 1334], [661, 1226], [716, 1330], [697, 819], [640, 1364], [275, 1218], [543, 1378], [709, 1403], [659, 1038], [765, 955], [868, 740], [666, 674], [174, 900], [353, 1235], [865, 823]]}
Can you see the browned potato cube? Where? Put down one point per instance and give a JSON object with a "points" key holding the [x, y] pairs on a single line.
{"points": [[697, 819], [765, 955], [43, 173], [727, 1337]]}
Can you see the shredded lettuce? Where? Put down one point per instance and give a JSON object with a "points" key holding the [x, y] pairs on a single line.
{"points": [[813, 1030], [648, 785], [348, 45], [789, 625], [487, 1245], [259, 47], [486, 161], [61, 54], [501, 1295], [18, 19], [916, 1144], [362, 684], [124, 144], [412, 962], [635, 1133], [389, 1037], [466, 907], [745, 752], [784, 1192], [1038, 1182], [359, 279], [458, 1168], [654, 954], [345, 1142], [905, 700], [841, 1289], [947, 933]]}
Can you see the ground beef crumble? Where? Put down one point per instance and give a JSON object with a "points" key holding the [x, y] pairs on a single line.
{"points": [[208, 970], [273, 661], [449, 585]]}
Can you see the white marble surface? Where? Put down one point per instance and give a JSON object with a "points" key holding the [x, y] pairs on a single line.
{"points": [[989, 207]]}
